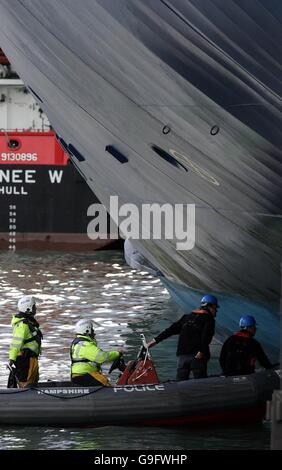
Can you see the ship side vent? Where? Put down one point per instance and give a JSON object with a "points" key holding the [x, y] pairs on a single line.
{"points": [[76, 153], [116, 154], [36, 96], [63, 143], [169, 158]]}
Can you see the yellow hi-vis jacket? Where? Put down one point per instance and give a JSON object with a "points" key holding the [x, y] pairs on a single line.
{"points": [[87, 357], [26, 335]]}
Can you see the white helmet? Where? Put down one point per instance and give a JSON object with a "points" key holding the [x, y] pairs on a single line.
{"points": [[27, 304], [84, 327]]}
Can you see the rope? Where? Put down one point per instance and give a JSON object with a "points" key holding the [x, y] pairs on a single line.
{"points": [[6, 135], [37, 389]]}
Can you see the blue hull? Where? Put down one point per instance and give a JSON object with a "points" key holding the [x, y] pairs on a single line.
{"points": [[231, 309]]}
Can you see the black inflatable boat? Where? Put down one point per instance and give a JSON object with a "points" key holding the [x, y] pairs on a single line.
{"points": [[138, 399], [212, 400]]}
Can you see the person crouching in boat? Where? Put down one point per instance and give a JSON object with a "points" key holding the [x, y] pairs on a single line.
{"points": [[195, 331], [240, 351], [87, 358], [25, 347]]}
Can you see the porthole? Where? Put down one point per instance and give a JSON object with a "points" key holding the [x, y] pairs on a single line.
{"points": [[214, 130], [166, 130], [14, 144]]}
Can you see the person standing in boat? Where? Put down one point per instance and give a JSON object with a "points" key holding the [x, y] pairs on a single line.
{"points": [[195, 331], [87, 357], [25, 346], [240, 351]]}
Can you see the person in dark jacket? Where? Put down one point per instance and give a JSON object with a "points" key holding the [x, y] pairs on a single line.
{"points": [[240, 351], [195, 331]]}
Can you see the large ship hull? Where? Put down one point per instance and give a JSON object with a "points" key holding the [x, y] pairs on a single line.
{"points": [[189, 94]]}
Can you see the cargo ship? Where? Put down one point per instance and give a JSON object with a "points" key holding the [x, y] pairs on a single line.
{"points": [[44, 201]]}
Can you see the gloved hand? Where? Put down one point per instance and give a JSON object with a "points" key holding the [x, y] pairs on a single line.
{"points": [[151, 343], [199, 355]]}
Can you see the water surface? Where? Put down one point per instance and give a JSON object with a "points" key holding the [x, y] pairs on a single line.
{"points": [[124, 303]]}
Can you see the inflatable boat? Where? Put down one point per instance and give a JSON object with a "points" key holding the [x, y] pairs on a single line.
{"points": [[139, 398]]}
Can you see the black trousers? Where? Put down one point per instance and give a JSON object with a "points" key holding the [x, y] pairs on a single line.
{"points": [[86, 380], [187, 363]]}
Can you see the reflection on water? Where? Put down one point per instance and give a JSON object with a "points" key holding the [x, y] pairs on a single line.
{"points": [[124, 303], [123, 438], [94, 285]]}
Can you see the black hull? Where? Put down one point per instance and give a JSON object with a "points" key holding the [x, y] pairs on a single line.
{"points": [[46, 208], [194, 402]]}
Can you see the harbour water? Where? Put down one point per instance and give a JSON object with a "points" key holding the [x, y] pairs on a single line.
{"points": [[124, 303]]}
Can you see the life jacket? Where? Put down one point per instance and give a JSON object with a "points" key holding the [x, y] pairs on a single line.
{"points": [[238, 360], [193, 322], [200, 311], [87, 357], [33, 325], [74, 343]]}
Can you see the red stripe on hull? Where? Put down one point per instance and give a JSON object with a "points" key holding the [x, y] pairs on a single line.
{"points": [[58, 241], [247, 415], [234, 417], [31, 148]]}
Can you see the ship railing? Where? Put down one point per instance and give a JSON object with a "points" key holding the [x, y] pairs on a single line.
{"points": [[46, 128]]}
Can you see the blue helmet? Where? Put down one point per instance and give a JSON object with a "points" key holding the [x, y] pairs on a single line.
{"points": [[247, 321], [209, 300]]}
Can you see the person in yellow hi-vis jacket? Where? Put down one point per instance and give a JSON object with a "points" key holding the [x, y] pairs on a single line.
{"points": [[87, 358], [26, 343]]}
